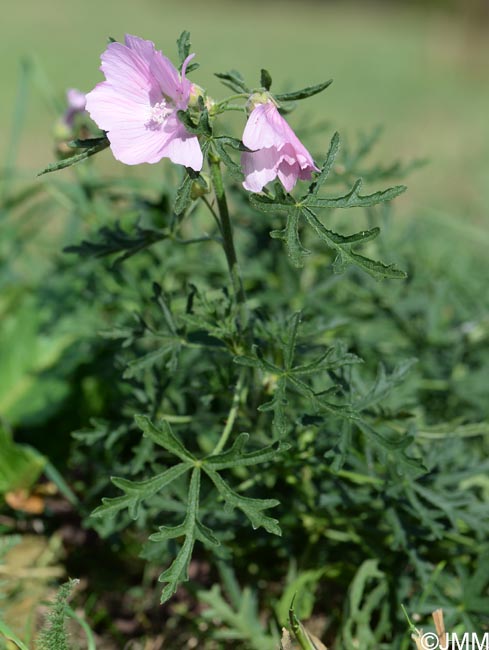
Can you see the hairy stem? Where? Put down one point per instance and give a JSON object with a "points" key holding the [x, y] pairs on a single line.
{"points": [[226, 228]]}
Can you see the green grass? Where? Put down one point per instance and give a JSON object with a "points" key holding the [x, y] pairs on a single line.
{"points": [[423, 76]]}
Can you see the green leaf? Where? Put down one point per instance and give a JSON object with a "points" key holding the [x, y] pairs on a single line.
{"points": [[232, 166], [233, 80], [304, 92], [203, 127], [290, 235], [113, 239], [353, 199], [376, 269], [252, 508], [138, 491], [177, 572], [183, 45], [327, 166], [235, 456], [265, 79], [72, 160], [20, 465], [163, 437], [385, 383]]}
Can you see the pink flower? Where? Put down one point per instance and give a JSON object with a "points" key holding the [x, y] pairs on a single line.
{"points": [[137, 105], [277, 151], [76, 101]]}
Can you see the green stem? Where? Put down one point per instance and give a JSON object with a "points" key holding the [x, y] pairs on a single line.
{"points": [[226, 228], [238, 394]]}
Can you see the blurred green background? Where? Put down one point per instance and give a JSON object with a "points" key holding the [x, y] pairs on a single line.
{"points": [[419, 69]]}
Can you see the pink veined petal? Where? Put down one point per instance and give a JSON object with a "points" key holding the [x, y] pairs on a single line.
{"points": [[167, 77], [288, 174], [108, 108], [183, 148], [133, 143], [126, 71], [185, 83], [144, 49], [259, 168], [259, 132]]}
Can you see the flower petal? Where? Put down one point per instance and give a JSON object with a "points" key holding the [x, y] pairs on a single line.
{"points": [[128, 72], [167, 77], [183, 148], [259, 168]]}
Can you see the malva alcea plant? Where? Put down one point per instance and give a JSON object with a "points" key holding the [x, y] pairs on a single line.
{"points": [[271, 376]]}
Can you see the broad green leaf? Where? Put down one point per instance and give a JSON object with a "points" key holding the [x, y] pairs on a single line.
{"points": [[20, 465], [304, 92], [163, 437]]}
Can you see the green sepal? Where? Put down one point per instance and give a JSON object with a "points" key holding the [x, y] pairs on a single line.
{"points": [[79, 157], [233, 80], [202, 127], [265, 79], [304, 92]]}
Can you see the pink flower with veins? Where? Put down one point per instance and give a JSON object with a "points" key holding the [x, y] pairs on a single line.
{"points": [[277, 151], [137, 105]]}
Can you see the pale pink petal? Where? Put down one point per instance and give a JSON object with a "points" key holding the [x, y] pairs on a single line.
{"points": [[288, 174], [259, 168], [167, 77], [132, 143], [145, 49], [108, 108], [259, 131], [128, 72], [186, 85], [137, 106], [183, 148]]}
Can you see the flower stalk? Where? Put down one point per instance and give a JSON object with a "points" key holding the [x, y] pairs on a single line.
{"points": [[226, 227]]}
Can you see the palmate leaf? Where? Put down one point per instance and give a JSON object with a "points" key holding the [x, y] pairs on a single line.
{"points": [[252, 508], [192, 529], [302, 211]]}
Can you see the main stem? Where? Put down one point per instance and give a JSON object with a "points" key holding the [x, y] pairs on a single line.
{"points": [[227, 231]]}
